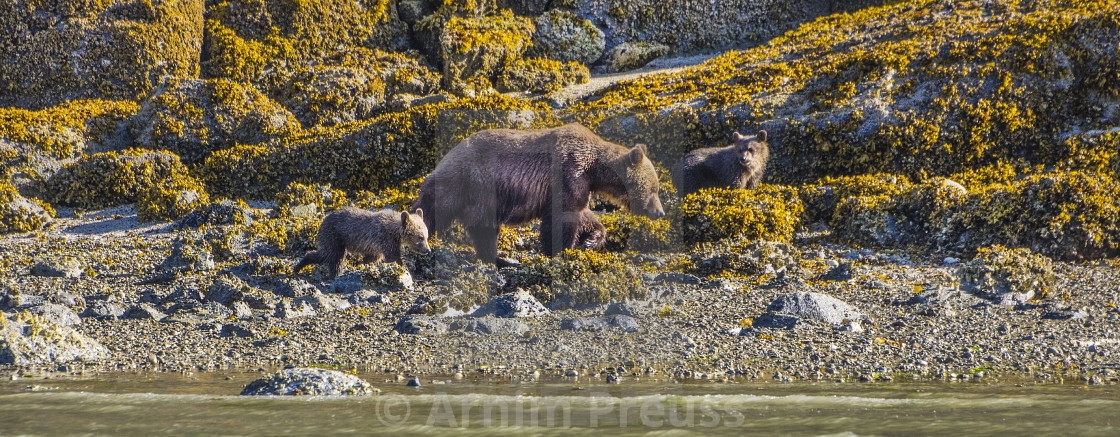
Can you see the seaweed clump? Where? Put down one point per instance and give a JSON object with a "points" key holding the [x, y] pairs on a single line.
{"points": [[112, 178], [770, 212], [744, 258], [193, 118], [386, 151], [630, 232], [21, 214], [296, 197], [577, 277], [171, 199], [541, 75]]}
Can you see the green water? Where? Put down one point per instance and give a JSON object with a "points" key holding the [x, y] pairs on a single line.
{"points": [[148, 404]]}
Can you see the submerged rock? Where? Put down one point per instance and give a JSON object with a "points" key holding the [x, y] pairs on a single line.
{"points": [[312, 382]]}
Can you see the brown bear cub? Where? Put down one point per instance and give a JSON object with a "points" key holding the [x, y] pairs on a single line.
{"points": [[508, 177], [739, 165], [374, 235]]}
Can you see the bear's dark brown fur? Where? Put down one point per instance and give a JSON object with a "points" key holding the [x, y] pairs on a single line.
{"points": [[375, 235], [739, 165], [508, 177]]}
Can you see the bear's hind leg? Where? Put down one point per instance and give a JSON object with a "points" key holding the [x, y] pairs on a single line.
{"points": [[335, 261]]}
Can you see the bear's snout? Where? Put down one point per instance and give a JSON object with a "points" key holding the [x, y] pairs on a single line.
{"points": [[425, 249]]}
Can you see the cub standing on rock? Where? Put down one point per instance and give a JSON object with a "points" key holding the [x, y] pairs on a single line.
{"points": [[508, 177], [739, 165], [375, 235]]}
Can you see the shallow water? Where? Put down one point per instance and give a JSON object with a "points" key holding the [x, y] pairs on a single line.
{"points": [[146, 404]]}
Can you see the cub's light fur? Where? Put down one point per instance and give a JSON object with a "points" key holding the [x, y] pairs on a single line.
{"points": [[376, 236]]}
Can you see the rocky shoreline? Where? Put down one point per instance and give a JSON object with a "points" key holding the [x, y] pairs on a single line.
{"points": [[834, 313]]}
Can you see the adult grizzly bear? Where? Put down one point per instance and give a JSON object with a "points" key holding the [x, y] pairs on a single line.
{"points": [[374, 235], [739, 165], [509, 177]]}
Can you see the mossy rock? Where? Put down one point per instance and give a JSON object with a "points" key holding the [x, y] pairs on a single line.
{"points": [[541, 75], [998, 271], [264, 41], [770, 212], [171, 199], [193, 118], [567, 37], [384, 152], [113, 178], [481, 47], [36, 144], [75, 49], [576, 278], [21, 214]]}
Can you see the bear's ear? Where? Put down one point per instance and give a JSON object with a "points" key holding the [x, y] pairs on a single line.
{"points": [[737, 136], [762, 136], [637, 153], [405, 218], [419, 212]]}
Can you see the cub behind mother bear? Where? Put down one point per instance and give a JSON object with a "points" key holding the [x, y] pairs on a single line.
{"points": [[508, 177]]}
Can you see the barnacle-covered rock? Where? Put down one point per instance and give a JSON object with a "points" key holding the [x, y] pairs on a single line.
{"points": [[577, 277], [632, 55], [27, 339], [567, 37], [220, 213], [112, 178], [264, 41], [726, 256], [58, 51], [171, 199], [541, 75], [21, 214], [481, 47], [36, 144], [1008, 275], [193, 118], [770, 212], [308, 382]]}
